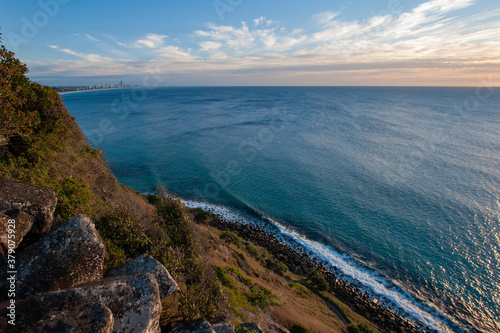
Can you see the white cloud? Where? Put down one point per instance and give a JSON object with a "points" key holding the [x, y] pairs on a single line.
{"points": [[325, 17], [68, 51], [91, 38], [210, 46], [175, 53], [432, 36], [151, 41], [258, 21]]}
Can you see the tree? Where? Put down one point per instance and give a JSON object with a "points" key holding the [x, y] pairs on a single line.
{"points": [[15, 118]]}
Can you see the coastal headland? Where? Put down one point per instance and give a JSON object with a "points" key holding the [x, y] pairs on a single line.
{"points": [[104, 241]]}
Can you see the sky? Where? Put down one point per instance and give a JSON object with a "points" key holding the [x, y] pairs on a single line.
{"points": [[243, 42]]}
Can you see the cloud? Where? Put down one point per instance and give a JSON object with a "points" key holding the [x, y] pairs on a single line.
{"points": [[151, 41], [175, 53], [91, 38], [325, 17], [210, 46], [258, 21], [432, 37]]}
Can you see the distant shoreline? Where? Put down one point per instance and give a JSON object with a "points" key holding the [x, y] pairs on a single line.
{"points": [[86, 90]]}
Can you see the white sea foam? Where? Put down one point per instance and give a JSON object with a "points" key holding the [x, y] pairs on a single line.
{"points": [[377, 286]]}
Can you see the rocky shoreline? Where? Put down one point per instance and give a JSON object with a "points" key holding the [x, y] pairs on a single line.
{"points": [[299, 263]]}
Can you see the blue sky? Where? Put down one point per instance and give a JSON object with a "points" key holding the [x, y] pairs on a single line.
{"points": [[243, 42]]}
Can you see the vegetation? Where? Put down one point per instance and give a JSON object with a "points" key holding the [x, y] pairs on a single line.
{"points": [[262, 297], [18, 95], [231, 237], [361, 328], [317, 281], [202, 216], [299, 328], [242, 329], [300, 289], [262, 255]]}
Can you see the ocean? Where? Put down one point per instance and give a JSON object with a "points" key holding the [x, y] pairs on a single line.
{"points": [[397, 187]]}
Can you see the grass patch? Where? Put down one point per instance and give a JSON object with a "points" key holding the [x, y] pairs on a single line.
{"points": [[263, 297], [360, 328], [247, 281], [224, 278], [299, 289], [230, 237]]}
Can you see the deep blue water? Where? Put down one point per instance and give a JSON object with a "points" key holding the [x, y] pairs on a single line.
{"points": [[397, 187]]}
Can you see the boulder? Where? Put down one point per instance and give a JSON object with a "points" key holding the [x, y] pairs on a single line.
{"points": [[224, 327], [194, 326], [21, 226], [145, 263], [58, 312], [134, 301], [70, 255], [36, 201]]}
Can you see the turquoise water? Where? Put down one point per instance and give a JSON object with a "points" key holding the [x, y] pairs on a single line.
{"points": [[397, 187]]}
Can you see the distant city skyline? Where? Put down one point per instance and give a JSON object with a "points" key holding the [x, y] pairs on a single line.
{"points": [[237, 42]]}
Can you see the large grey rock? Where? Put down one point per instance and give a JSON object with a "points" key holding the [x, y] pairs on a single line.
{"points": [[145, 263], [58, 312], [22, 224], [224, 327], [133, 300], [194, 326], [36, 201], [70, 255]]}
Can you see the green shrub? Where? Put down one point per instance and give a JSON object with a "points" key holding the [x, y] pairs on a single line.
{"points": [[253, 251], [173, 217], [231, 237], [262, 297], [299, 328], [276, 265], [124, 234], [223, 277], [202, 295], [74, 197], [241, 329], [318, 281], [248, 282], [202, 216]]}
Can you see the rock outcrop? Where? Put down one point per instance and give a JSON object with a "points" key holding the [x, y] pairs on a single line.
{"points": [[223, 327], [22, 224], [70, 255], [36, 201], [133, 300], [58, 312], [145, 263], [194, 326], [122, 304]]}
